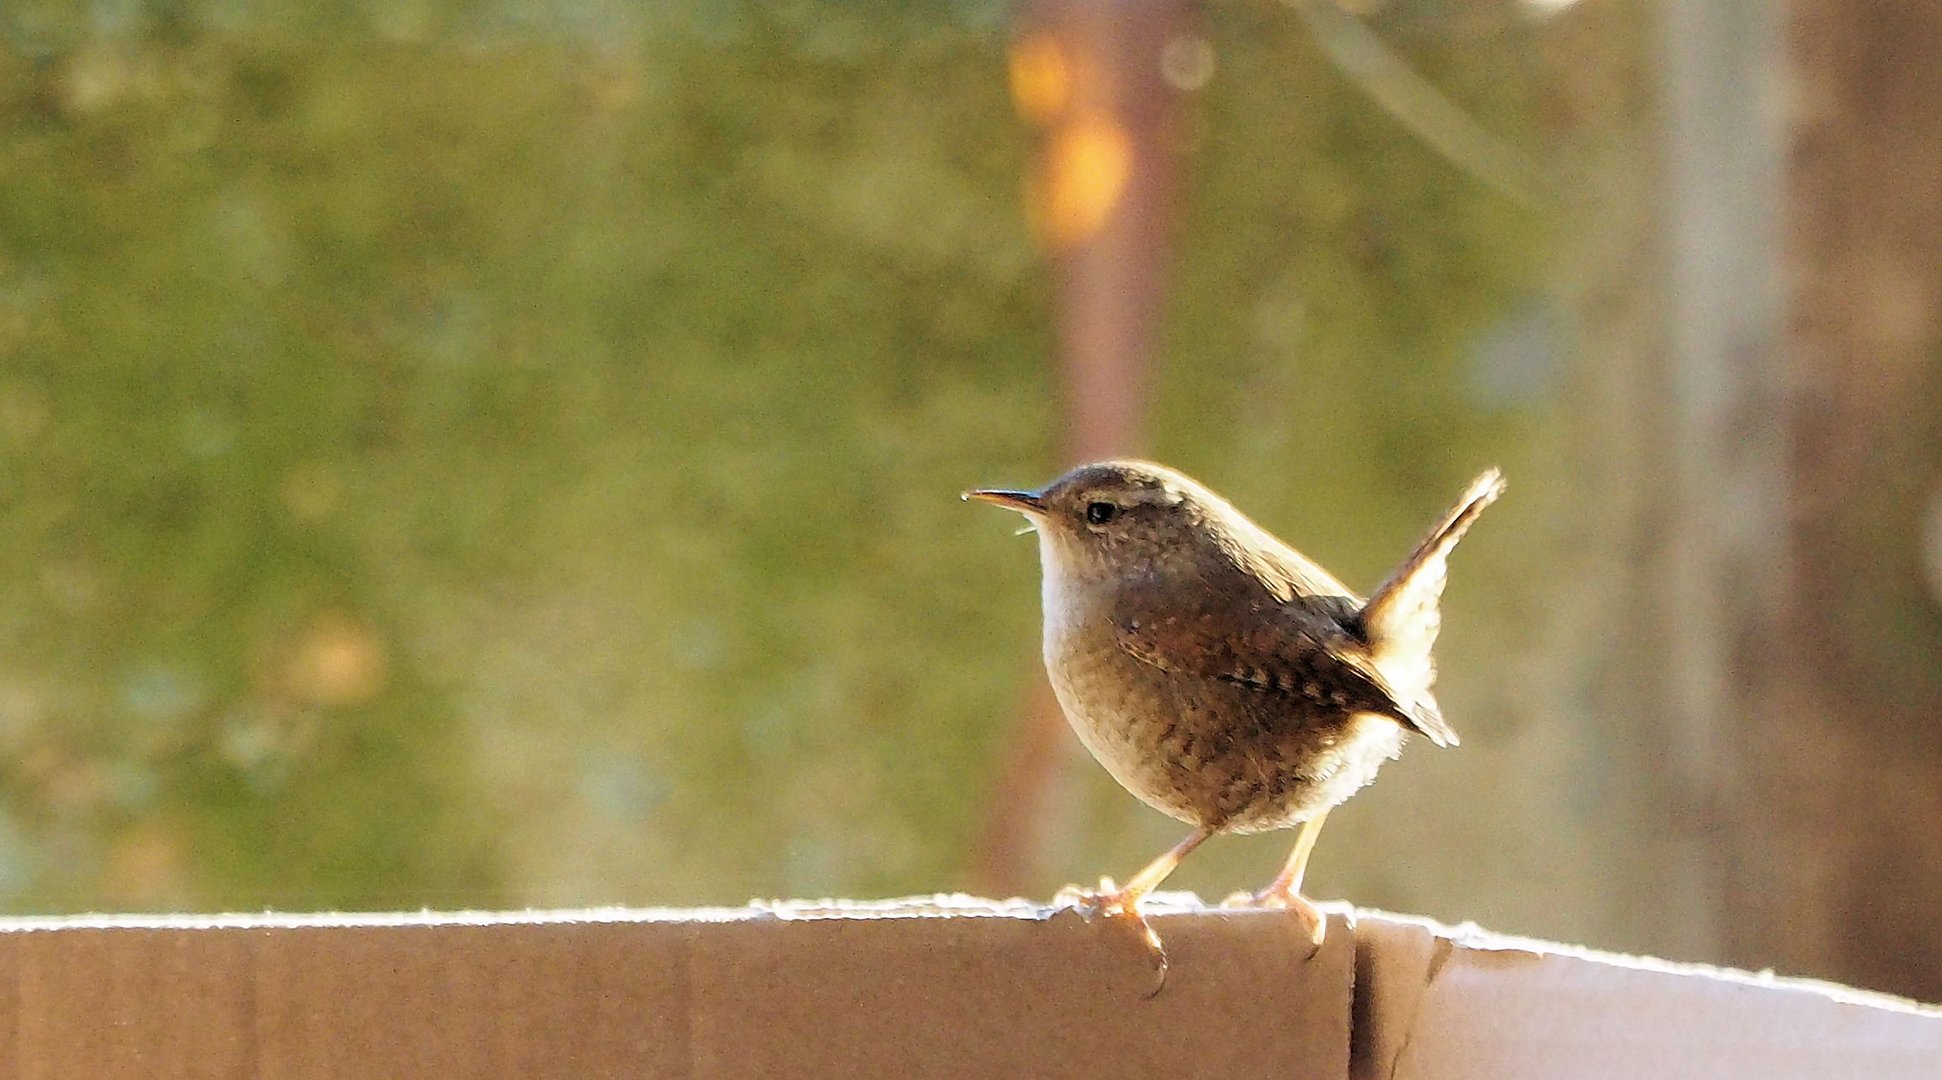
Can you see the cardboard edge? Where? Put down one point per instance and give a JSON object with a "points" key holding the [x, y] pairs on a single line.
{"points": [[1391, 931], [1388, 995], [1460, 1002], [1395, 961]]}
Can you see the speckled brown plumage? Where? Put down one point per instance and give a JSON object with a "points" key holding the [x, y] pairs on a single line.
{"points": [[1218, 674]]}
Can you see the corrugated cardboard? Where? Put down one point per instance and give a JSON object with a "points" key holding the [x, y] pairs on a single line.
{"points": [[1436, 1003], [938, 987]]}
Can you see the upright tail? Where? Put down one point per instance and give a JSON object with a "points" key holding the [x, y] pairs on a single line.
{"points": [[1401, 619]]}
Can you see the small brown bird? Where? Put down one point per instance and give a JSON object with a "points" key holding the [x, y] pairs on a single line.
{"points": [[1218, 674]]}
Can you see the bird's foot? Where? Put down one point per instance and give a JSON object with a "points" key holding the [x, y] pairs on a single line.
{"points": [[1110, 902], [1314, 924], [1106, 900]]}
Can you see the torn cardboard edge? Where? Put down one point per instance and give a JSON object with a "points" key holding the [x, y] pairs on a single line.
{"points": [[943, 985]]}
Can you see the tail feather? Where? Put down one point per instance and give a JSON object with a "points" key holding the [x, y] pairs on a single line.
{"points": [[1401, 619]]}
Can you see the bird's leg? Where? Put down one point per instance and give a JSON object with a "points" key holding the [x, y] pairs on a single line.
{"points": [[1287, 885], [1285, 890], [1110, 899], [1123, 902]]}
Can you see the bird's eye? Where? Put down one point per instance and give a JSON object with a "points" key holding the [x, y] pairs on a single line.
{"points": [[1100, 513]]}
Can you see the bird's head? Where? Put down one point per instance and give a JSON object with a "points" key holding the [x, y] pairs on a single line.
{"points": [[1115, 518]]}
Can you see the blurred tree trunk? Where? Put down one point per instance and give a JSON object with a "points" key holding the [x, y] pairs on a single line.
{"points": [[1722, 584], [1090, 76], [1802, 782], [1749, 638], [1850, 775]]}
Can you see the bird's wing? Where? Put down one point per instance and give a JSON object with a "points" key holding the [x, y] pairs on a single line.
{"points": [[1285, 572], [1298, 652]]}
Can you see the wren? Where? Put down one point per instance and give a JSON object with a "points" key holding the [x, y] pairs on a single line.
{"points": [[1218, 674]]}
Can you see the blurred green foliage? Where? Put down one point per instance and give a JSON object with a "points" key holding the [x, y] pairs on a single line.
{"points": [[469, 454]]}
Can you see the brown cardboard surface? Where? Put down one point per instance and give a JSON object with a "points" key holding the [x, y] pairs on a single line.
{"points": [[799, 991], [945, 986]]}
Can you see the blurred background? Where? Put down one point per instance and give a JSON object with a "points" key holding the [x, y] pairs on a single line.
{"points": [[486, 453]]}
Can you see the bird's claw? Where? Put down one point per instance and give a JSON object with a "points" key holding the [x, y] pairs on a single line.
{"points": [[1313, 922], [1109, 902], [1089, 904]]}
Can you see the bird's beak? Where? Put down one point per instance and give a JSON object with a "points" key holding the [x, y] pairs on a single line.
{"points": [[1025, 502]]}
